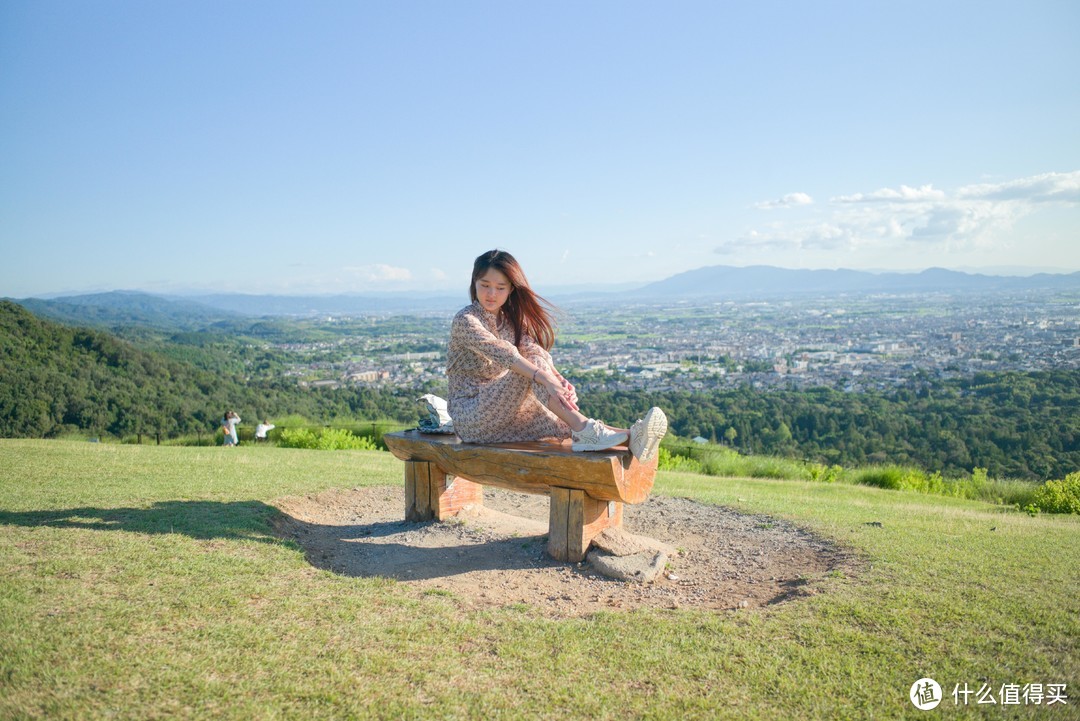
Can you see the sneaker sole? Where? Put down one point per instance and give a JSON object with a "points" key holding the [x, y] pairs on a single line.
{"points": [[654, 425], [610, 443]]}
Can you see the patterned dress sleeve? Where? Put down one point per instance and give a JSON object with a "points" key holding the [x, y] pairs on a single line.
{"points": [[535, 352], [470, 332]]}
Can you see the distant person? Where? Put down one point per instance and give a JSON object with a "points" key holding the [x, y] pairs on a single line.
{"points": [[261, 431], [226, 431], [228, 428], [503, 385]]}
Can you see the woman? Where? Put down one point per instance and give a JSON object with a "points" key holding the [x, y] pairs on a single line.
{"points": [[503, 384], [228, 425]]}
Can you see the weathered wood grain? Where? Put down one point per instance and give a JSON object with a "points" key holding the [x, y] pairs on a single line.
{"points": [[613, 475], [558, 524], [451, 494], [418, 492], [587, 490]]}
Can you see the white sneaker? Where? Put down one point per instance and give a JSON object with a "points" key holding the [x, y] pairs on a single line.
{"points": [[646, 433], [595, 436]]}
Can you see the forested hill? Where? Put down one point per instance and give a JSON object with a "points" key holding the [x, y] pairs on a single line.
{"points": [[1015, 424], [55, 378]]}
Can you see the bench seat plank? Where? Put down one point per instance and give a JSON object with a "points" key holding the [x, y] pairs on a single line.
{"points": [[612, 475]]}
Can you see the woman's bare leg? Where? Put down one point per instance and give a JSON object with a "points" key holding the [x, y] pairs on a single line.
{"points": [[565, 409], [574, 419]]}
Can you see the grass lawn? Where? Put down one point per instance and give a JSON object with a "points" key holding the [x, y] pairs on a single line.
{"points": [[143, 582]]}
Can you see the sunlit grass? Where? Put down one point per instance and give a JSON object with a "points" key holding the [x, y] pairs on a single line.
{"points": [[145, 582], [715, 460]]}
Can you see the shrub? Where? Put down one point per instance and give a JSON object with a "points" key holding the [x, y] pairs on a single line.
{"points": [[668, 461], [1059, 496], [978, 480], [779, 468], [891, 477], [336, 439], [298, 438], [936, 484], [328, 439], [824, 474]]}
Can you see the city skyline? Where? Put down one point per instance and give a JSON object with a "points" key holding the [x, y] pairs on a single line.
{"points": [[345, 148]]}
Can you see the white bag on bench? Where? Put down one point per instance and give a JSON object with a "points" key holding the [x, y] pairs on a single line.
{"points": [[434, 415]]}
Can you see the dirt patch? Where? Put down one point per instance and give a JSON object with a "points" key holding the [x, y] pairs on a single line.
{"points": [[495, 556]]}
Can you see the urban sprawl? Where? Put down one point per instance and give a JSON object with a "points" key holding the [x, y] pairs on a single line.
{"points": [[852, 344]]}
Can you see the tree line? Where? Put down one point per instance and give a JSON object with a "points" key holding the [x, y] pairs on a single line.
{"points": [[56, 379], [1014, 424]]}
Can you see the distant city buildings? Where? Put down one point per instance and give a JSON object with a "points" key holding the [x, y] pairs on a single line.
{"points": [[853, 344]]}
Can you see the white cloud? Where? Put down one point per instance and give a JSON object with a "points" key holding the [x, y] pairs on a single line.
{"points": [[904, 195], [915, 219], [1045, 188], [778, 238], [788, 201], [378, 273]]}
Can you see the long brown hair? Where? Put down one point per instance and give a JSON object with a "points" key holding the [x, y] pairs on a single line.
{"points": [[527, 312]]}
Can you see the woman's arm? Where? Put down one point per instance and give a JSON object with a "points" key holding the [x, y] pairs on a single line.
{"points": [[468, 332], [556, 385]]}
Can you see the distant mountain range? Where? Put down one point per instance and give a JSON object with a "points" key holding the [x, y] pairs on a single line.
{"points": [[717, 282], [721, 281], [312, 305], [124, 307]]}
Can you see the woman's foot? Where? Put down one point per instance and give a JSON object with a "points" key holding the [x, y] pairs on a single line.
{"points": [[646, 433], [595, 436]]}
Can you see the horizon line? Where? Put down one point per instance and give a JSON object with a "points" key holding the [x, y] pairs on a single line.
{"points": [[184, 292]]}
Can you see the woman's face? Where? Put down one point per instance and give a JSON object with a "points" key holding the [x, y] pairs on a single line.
{"points": [[492, 290]]}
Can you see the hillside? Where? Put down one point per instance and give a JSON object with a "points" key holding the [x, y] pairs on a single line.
{"points": [[59, 378]]}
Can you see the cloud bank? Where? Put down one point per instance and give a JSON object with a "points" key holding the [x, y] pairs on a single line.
{"points": [[912, 218]]}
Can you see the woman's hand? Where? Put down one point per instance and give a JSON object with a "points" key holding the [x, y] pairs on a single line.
{"points": [[559, 388], [569, 388]]}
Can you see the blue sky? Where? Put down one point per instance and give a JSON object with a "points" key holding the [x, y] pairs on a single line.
{"points": [[375, 146]]}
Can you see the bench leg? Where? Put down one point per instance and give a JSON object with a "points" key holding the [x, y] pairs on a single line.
{"points": [[432, 495], [575, 518]]}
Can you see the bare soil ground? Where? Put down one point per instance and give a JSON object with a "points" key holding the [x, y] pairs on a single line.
{"points": [[495, 556]]}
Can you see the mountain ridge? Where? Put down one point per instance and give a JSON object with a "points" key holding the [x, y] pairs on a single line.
{"points": [[718, 282], [771, 281]]}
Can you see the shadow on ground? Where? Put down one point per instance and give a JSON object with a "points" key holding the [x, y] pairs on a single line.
{"points": [[415, 551], [203, 520], [496, 554]]}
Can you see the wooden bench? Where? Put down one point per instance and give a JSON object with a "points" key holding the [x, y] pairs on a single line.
{"points": [[587, 490]]}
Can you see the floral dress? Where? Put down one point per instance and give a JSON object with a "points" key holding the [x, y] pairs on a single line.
{"points": [[489, 402]]}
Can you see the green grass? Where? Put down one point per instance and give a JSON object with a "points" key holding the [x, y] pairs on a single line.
{"points": [[717, 460], [143, 582]]}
